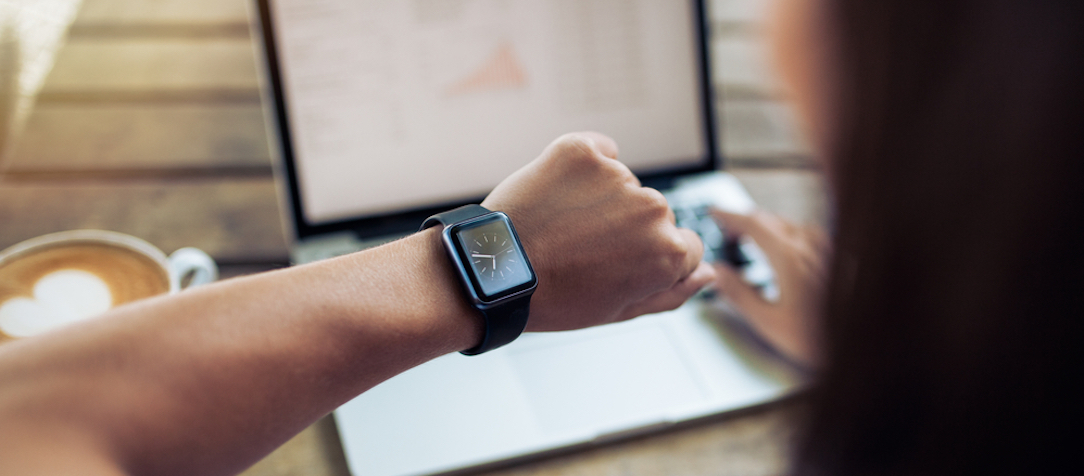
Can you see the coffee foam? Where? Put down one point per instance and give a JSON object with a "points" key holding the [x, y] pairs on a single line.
{"points": [[60, 298], [47, 288]]}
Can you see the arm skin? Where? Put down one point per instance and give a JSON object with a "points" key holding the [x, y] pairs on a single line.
{"points": [[210, 380]]}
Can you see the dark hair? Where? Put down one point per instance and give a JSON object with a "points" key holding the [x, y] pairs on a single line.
{"points": [[954, 320]]}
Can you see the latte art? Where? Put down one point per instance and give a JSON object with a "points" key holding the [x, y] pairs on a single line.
{"points": [[59, 298], [54, 286]]}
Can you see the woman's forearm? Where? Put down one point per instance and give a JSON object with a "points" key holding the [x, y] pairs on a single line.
{"points": [[212, 379]]}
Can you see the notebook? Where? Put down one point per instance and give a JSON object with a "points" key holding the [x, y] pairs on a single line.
{"points": [[384, 113]]}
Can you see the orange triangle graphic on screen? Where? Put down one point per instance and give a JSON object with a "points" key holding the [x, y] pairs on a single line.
{"points": [[501, 71]]}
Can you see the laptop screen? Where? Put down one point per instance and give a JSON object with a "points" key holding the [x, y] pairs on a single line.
{"points": [[386, 108]]}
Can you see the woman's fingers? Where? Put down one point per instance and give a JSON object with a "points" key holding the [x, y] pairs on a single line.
{"points": [[767, 230], [796, 255], [740, 293]]}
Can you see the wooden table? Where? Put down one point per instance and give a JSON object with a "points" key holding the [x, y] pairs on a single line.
{"points": [[151, 124]]}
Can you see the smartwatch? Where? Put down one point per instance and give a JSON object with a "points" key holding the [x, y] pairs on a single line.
{"points": [[493, 268]]}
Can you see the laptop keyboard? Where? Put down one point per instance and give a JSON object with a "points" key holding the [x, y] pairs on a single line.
{"points": [[740, 253], [697, 217]]}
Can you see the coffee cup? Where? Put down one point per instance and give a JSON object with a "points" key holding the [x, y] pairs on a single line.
{"points": [[61, 278]]}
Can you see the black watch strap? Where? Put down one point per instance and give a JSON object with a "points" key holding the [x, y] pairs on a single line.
{"points": [[451, 217], [503, 323]]}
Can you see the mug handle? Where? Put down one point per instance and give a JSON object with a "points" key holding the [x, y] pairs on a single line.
{"points": [[192, 261]]}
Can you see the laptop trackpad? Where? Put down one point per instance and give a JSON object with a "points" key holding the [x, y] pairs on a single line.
{"points": [[604, 381]]}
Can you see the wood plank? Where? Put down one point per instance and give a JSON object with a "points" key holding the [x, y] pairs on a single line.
{"points": [[161, 96], [758, 126], [67, 136], [155, 64], [800, 196], [761, 133], [162, 11], [742, 69], [316, 451], [736, 11], [85, 31], [234, 220]]}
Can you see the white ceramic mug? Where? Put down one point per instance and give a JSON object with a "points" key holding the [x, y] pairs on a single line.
{"points": [[60, 278]]}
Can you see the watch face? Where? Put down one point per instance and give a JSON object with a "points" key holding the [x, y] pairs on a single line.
{"points": [[494, 256]]}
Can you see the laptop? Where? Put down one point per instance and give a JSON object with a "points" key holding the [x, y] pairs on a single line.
{"points": [[387, 112]]}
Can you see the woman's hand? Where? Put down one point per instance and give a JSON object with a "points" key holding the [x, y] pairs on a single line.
{"points": [[605, 248], [798, 256]]}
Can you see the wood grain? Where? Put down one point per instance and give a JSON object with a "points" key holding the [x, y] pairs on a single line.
{"points": [[234, 220], [742, 68], [162, 11], [800, 196], [749, 12], [141, 135], [143, 31], [153, 64], [316, 451], [762, 133]]}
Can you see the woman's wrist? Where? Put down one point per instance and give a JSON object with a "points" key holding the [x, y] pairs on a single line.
{"points": [[455, 318], [416, 278]]}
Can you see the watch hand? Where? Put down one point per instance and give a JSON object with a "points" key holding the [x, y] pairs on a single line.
{"points": [[477, 255]]}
